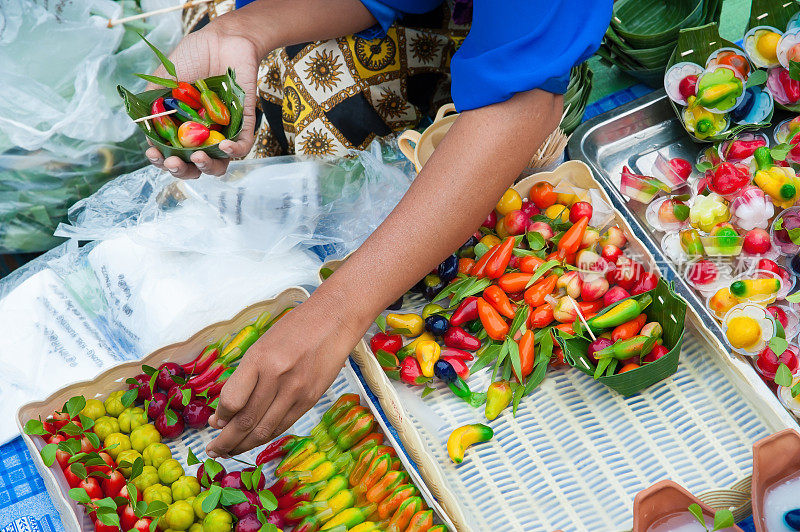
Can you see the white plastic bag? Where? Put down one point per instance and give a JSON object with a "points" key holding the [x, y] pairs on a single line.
{"points": [[60, 65]]}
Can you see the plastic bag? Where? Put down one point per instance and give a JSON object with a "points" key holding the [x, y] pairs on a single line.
{"points": [[261, 206], [61, 64]]}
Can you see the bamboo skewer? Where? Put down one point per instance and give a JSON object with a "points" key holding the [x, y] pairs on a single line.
{"points": [[191, 3], [583, 320], [142, 119]]}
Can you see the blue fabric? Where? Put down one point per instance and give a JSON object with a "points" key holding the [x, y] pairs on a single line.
{"points": [[515, 45]]}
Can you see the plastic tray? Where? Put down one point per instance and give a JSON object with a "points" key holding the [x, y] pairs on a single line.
{"points": [[577, 453], [348, 381], [633, 135]]}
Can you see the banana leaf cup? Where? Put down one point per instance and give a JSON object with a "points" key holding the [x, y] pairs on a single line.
{"points": [[138, 106], [669, 310], [696, 45]]}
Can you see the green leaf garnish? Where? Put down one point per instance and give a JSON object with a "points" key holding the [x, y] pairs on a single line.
{"points": [[168, 66]]}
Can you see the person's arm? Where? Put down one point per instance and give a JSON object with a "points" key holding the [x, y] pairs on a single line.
{"points": [[290, 367], [240, 39]]}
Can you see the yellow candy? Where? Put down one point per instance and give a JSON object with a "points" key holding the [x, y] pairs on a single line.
{"points": [[722, 301], [510, 201], [463, 437], [767, 45], [556, 210], [743, 332]]}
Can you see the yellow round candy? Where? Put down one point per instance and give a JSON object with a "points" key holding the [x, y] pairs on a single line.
{"points": [[556, 210], [490, 241], [500, 227], [743, 332], [510, 201], [767, 45]]}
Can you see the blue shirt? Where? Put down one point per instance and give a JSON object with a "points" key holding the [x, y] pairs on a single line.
{"points": [[513, 45]]}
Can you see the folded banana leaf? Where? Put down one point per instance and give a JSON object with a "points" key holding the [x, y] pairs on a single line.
{"points": [[138, 105], [652, 23], [576, 97]]}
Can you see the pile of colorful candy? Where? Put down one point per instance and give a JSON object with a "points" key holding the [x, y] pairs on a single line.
{"points": [[112, 456], [536, 266], [342, 477]]}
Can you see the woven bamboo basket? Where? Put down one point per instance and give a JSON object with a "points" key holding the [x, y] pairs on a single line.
{"points": [[73, 516], [577, 453]]}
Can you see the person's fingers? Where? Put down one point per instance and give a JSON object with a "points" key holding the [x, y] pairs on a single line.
{"points": [[155, 157], [209, 166], [180, 169], [235, 394], [241, 425], [292, 415], [266, 429]]}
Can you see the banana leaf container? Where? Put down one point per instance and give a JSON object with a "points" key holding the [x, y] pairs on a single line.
{"points": [[667, 308], [138, 106]]}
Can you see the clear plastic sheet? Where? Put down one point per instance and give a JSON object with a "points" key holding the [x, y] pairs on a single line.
{"points": [[261, 206], [167, 257]]}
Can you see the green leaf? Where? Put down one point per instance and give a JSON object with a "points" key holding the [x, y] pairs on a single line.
{"points": [[107, 503], [75, 405], [485, 357], [187, 396], [541, 270], [386, 359], [427, 391], [325, 272], [513, 355], [519, 318], [781, 151], [519, 391], [212, 499], [149, 370], [247, 480], [180, 381], [795, 391], [404, 332], [268, 527], [602, 364], [71, 429], [129, 397], [172, 418], [86, 422], [723, 519], [783, 376], [777, 345], [535, 378], [393, 374], [164, 82], [697, 512], [48, 454], [137, 468], [256, 477], [506, 373], [79, 470], [191, 459], [380, 321], [268, 500], [477, 286], [34, 427], [211, 468], [757, 77], [794, 70], [214, 404], [703, 167], [452, 287], [158, 509], [500, 358], [168, 66], [152, 383], [422, 380], [232, 496], [535, 241], [94, 439], [109, 518]]}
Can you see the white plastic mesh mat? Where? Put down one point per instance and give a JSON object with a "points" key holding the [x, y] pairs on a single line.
{"points": [[577, 453]]}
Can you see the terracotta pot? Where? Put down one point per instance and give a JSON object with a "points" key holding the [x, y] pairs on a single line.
{"points": [[775, 458], [662, 499], [418, 147]]}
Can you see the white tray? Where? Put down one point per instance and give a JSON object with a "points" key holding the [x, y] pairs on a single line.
{"points": [[73, 515], [577, 453]]}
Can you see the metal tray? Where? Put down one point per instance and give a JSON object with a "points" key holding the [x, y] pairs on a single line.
{"points": [[633, 135]]}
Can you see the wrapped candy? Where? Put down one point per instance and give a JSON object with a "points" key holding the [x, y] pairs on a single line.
{"points": [[727, 179], [722, 240], [673, 172], [639, 187], [778, 182], [748, 328], [783, 87], [719, 89], [702, 122], [752, 209], [722, 301], [757, 290], [742, 147], [708, 211], [732, 58], [680, 81], [668, 214]]}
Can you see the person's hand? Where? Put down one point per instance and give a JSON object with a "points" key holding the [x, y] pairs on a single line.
{"points": [[209, 52], [282, 376]]}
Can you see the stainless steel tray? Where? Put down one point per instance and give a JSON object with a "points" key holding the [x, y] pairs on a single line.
{"points": [[633, 135]]}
